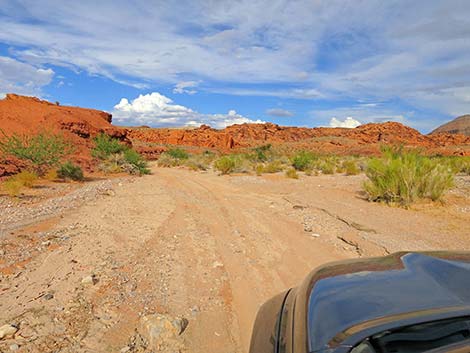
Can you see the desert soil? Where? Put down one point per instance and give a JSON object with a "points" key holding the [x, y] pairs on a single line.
{"points": [[189, 244]]}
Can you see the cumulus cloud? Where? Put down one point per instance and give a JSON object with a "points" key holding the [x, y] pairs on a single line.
{"points": [[22, 78], [186, 87], [279, 112], [157, 110], [349, 122]]}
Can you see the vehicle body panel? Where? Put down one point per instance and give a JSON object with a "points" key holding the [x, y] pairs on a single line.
{"points": [[340, 304]]}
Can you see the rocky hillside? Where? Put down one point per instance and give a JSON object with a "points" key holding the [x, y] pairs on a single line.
{"points": [[460, 125], [365, 139], [29, 115]]}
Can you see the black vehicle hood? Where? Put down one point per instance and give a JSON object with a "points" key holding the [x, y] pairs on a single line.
{"points": [[344, 295]]}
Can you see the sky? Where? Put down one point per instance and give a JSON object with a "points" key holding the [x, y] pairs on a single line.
{"points": [[290, 62]]}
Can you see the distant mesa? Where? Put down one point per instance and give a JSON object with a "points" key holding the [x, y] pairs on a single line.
{"points": [[460, 125]]}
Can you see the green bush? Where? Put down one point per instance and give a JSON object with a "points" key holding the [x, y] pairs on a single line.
{"points": [[403, 177], [177, 153], [261, 152], [303, 160], [225, 164], [42, 151], [68, 170], [459, 164], [106, 146], [118, 157], [135, 160]]}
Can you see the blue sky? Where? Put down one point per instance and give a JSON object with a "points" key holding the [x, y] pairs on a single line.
{"points": [[219, 62]]}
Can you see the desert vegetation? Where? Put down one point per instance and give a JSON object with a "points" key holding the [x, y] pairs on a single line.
{"points": [[398, 176], [405, 176], [40, 152], [46, 156], [116, 157]]}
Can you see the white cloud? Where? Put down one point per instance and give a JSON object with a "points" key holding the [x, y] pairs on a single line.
{"points": [[348, 123], [279, 112], [156, 110], [186, 87], [22, 78]]}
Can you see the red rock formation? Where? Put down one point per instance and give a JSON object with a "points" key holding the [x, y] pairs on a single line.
{"points": [[28, 115], [365, 139]]}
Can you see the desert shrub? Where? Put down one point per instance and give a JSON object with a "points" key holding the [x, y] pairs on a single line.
{"points": [[260, 153], [303, 160], [292, 173], [327, 167], [117, 157], [136, 164], [165, 160], [106, 146], [271, 167], [403, 177], [71, 171], [129, 161], [201, 161], [177, 153], [225, 164], [42, 151], [351, 168]]}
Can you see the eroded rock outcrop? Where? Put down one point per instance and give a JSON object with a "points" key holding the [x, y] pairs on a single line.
{"points": [[29, 115]]}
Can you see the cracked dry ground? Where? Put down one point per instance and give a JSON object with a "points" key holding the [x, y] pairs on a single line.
{"points": [[195, 245]]}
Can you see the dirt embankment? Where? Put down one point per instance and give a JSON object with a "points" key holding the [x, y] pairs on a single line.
{"points": [[29, 115]]}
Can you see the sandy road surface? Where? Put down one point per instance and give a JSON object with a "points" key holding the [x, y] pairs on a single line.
{"points": [[197, 245]]}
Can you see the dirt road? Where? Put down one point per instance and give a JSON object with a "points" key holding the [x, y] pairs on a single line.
{"points": [[196, 245]]}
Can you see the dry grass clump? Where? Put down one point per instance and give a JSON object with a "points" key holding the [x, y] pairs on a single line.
{"points": [[14, 184], [201, 161], [292, 173]]}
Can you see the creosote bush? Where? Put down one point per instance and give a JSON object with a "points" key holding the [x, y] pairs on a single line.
{"points": [[71, 171], [403, 177]]}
